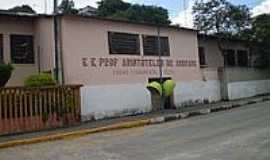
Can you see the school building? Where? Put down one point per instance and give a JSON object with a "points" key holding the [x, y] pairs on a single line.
{"points": [[238, 76], [115, 60]]}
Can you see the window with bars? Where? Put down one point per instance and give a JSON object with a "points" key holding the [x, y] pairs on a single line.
{"points": [[1, 48], [202, 57], [229, 56], [124, 43], [242, 58], [22, 49], [150, 46]]}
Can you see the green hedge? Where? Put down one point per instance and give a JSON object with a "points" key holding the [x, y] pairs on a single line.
{"points": [[39, 80], [5, 73]]}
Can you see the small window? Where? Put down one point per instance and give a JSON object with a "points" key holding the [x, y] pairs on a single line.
{"points": [[202, 56], [124, 43], [150, 46], [1, 49], [242, 58], [22, 51], [230, 58]]}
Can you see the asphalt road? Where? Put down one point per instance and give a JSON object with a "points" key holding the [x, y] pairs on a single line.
{"points": [[238, 134]]}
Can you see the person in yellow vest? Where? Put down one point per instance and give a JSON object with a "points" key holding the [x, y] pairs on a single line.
{"points": [[159, 90]]}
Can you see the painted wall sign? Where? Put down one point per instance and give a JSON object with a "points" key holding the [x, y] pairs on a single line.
{"points": [[135, 62], [136, 66]]}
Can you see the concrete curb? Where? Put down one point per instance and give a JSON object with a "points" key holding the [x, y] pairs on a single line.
{"points": [[131, 124], [205, 111], [74, 134]]}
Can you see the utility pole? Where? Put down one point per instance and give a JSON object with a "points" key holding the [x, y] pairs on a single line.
{"points": [[162, 100], [185, 11], [45, 6], [56, 49]]}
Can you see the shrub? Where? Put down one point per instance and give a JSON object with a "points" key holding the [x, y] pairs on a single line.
{"points": [[39, 80], [5, 73]]}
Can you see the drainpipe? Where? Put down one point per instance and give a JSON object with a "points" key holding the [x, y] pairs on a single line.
{"points": [[38, 60], [162, 96], [56, 49]]}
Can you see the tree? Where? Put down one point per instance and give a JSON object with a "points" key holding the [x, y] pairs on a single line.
{"points": [[107, 8], [117, 9], [67, 7], [260, 35], [146, 14], [261, 27], [221, 19], [23, 8]]}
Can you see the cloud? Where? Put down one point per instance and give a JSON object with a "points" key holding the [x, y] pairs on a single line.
{"points": [[185, 17], [262, 8], [82, 3]]}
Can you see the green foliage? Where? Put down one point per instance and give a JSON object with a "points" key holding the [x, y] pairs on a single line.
{"points": [[220, 17], [261, 27], [108, 8], [5, 73], [117, 9], [23, 8], [39, 80], [67, 7], [260, 36], [6, 67]]}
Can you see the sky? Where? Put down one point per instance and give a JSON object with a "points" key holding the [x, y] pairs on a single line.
{"points": [[179, 10]]}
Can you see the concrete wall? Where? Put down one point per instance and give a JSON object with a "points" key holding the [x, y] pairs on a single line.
{"points": [[104, 101], [196, 92], [246, 74], [206, 90], [244, 89], [44, 38], [245, 82]]}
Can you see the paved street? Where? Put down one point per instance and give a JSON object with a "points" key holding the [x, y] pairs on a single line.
{"points": [[238, 134]]}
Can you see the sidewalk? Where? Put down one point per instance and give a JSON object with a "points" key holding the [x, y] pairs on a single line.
{"points": [[123, 122]]}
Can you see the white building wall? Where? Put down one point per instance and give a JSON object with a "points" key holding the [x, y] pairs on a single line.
{"points": [[188, 93], [99, 102], [243, 89], [105, 101]]}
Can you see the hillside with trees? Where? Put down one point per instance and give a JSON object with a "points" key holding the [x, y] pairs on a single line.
{"points": [[118, 9]]}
